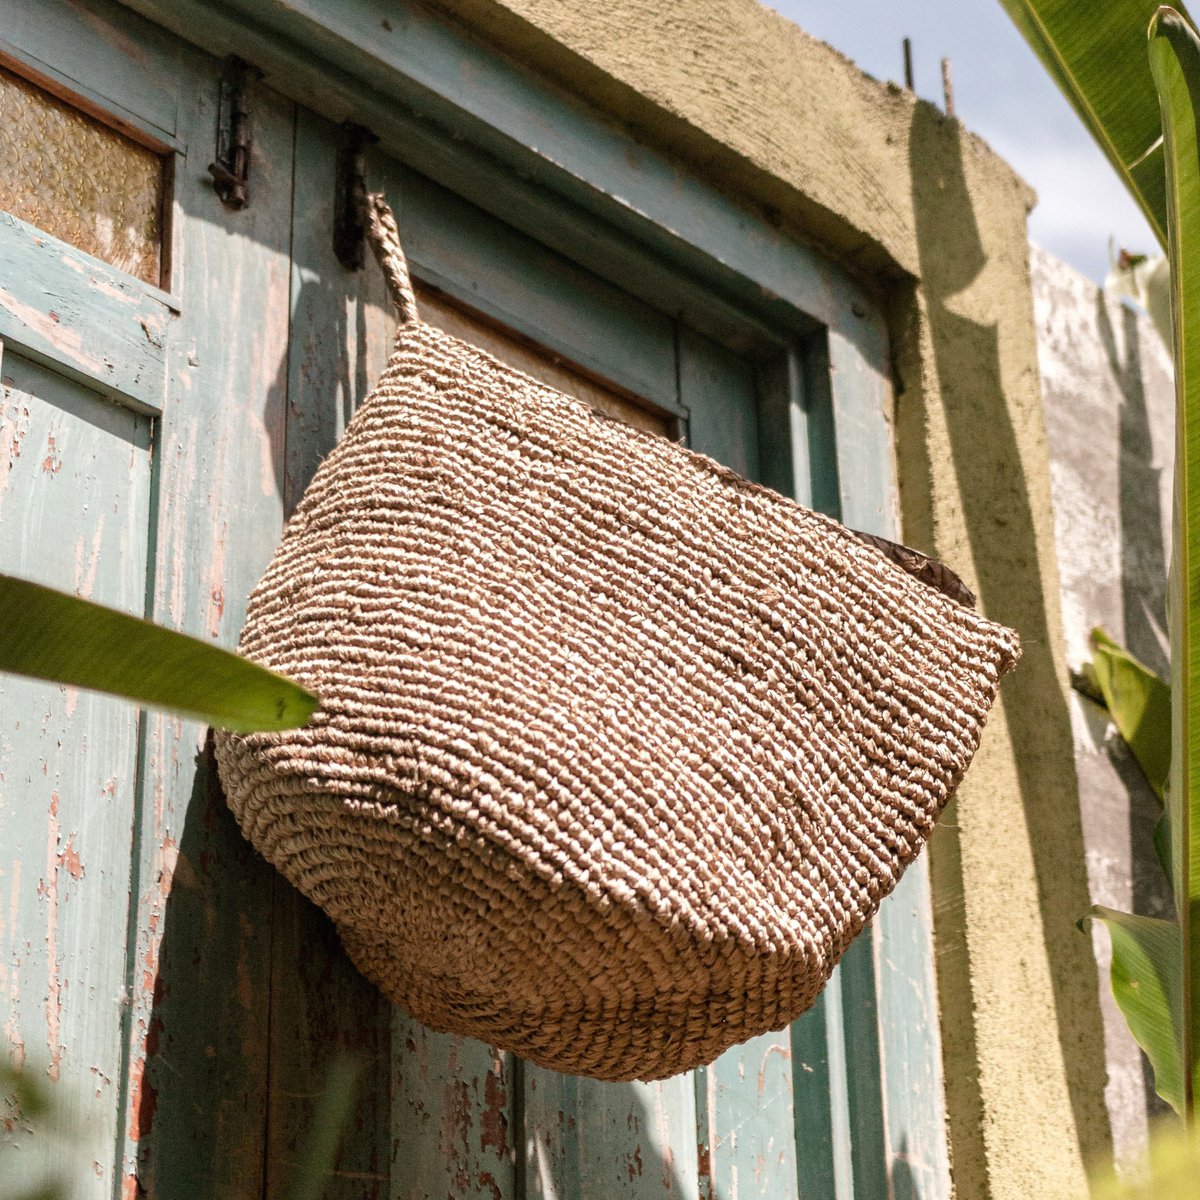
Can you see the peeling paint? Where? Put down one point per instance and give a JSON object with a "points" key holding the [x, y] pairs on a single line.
{"points": [[68, 342], [12, 1030], [70, 859], [216, 577], [52, 463], [493, 1127], [143, 1094], [49, 892]]}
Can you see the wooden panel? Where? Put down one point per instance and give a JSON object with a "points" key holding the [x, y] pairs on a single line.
{"points": [[890, 982], [454, 1124], [719, 389], [74, 509], [748, 1106], [420, 63], [124, 64], [197, 1076], [534, 291], [320, 1006], [597, 1140], [752, 1135], [539, 363], [83, 317], [817, 1070]]}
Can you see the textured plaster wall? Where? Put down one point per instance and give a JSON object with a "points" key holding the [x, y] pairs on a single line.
{"points": [[1110, 411], [928, 213]]}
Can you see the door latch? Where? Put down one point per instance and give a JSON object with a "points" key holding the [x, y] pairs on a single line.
{"points": [[231, 170], [350, 194]]}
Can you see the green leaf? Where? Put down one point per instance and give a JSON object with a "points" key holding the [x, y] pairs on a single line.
{"points": [[330, 1122], [55, 636], [1169, 1171], [1096, 53], [1146, 971], [1140, 705], [1175, 63], [1163, 846]]}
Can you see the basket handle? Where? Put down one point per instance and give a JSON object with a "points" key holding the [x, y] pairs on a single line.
{"points": [[385, 242]]}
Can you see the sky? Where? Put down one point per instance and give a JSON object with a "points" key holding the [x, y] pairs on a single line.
{"points": [[1002, 93]]}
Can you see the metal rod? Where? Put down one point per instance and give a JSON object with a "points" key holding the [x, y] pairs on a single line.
{"points": [[908, 71], [948, 87]]}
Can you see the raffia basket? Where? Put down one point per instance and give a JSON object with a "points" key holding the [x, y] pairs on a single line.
{"points": [[616, 751]]}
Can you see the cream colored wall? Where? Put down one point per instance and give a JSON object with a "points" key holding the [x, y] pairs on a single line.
{"points": [[923, 208]]}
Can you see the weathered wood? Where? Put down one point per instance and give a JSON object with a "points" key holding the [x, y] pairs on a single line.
{"points": [[519, 148], [913, 1091], [197, 1076], [454, 1131], [100, 50], [82, 317], [818, 1153], [718, 388], [537, 292], [628, 1140], [320, 1006], [752, 1138], [239, 993], [75, 477], [891, 992]]}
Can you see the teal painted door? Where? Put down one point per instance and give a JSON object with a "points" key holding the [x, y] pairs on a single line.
{"points": [[154, 434]]}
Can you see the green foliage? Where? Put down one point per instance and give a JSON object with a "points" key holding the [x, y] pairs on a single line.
{"points": [[1175, 64], [1146, 953], [1170, 1171], [27, 1110], [332, 1118], [55, 636], [1146, 984], [1096, 53], [1140, 705]]}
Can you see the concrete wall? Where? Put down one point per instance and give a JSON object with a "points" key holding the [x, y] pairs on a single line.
{"points": [[1110, 410], [937, 224]]}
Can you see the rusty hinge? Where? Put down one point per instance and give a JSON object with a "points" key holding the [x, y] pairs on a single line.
{"points": [[231, 170], [350, 194]]}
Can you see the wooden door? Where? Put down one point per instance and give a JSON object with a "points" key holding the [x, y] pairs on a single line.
{"points": [[162, 414]]}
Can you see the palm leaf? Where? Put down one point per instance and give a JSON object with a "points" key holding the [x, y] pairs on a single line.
{"points": [[55, 636], [1175, 63], [1140, 705], [1096, 53], [1146, 971]]}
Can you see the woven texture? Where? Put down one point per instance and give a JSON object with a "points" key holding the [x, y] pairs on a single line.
{"points": [[616, 752]]}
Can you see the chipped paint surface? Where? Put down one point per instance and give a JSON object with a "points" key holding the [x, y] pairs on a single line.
{"points": [[81, 467], [239, 995], [90, 320]]}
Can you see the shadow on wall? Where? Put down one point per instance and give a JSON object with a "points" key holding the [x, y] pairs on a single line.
{"points": [[986, 473], [444, 1110], [1143, 554], [1143, 596], [254, 998]]}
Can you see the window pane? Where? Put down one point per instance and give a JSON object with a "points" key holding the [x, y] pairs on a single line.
{"points": [[79, 180]]}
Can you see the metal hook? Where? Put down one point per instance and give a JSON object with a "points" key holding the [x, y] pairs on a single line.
{"points": [[231, 170], [350, 194]]}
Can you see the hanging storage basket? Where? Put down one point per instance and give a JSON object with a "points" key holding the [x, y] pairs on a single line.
{"points": [[616, 752]]}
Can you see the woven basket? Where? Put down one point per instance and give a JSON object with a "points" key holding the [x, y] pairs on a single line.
{"points": [[616, 751]]}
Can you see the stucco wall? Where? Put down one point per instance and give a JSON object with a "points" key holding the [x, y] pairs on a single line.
{"points": [[937, 223], [1110, 410]]}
